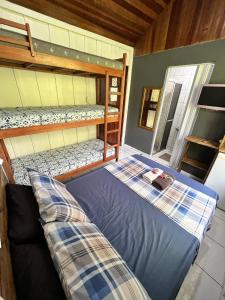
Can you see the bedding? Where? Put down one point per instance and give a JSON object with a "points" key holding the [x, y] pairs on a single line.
{"points": [[88, 266], [33, 268], [59, 161], [35, 276], [55, 202], [156, 249], [189, 208], [33, 116], [23, 215]]}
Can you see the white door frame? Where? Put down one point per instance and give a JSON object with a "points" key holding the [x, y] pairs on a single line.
{"points": [[203, 75]]}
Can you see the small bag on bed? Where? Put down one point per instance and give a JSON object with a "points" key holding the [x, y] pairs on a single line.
{"points": [[55, 202], [163, 181], [88, 266]]}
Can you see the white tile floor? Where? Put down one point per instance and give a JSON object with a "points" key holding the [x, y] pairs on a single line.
{"points": [[206, 278]]}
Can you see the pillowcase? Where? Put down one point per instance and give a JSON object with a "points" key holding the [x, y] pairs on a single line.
{"points": [[88, 265], [55, 202], [23, 215]]}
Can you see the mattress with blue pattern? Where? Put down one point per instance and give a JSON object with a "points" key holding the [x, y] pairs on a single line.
{"points": [[59, 160], [21, 117]]}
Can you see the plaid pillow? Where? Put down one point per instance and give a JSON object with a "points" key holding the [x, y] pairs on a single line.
{"points": [[87, 264], [55, 202]]}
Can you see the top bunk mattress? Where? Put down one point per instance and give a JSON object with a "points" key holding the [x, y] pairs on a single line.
{"points": [[20, 117]]}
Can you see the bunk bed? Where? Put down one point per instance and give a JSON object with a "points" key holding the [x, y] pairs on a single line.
{"points": [[24, 52]]}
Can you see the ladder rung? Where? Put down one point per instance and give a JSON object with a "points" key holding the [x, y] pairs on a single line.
{"points": [[112, 146], [114, 93], [112, 113], [112, 121], [112, 131]]}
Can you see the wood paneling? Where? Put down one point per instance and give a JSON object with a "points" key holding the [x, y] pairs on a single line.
{"points": [[122, 20], [184, 22]]}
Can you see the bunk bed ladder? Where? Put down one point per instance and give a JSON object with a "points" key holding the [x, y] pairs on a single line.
{"points": [[15, 41], [120, 94]]}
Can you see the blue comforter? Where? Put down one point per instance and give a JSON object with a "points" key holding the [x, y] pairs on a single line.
{"points": [[156, 249]]}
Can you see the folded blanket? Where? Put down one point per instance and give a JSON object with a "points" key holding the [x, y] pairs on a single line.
{"points": [[163, 181], [188, 207], [152, 175]]}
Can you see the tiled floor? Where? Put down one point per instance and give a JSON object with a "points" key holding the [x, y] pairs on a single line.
{"points": [[206, 278]]}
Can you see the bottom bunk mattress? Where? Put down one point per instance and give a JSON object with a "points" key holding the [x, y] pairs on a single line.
{"points": [[60, 160]]}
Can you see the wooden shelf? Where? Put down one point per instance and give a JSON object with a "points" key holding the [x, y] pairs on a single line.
{"points": [[222, 145], [203, 142], [195, 163]]}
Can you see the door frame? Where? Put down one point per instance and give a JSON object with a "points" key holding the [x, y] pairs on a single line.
{"points": [[202, 76]]}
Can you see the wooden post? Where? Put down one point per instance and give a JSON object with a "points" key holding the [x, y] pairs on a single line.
{"points": [[30, 40], [6, 161], [106, 114], [121, 103]]}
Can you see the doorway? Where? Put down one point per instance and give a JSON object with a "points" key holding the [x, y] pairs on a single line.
{"points": [[182, 86]]}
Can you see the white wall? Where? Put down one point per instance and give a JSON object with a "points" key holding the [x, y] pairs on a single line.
{"points": [[29, 88]]}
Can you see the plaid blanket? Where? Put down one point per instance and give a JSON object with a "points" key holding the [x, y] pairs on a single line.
{"points": [[189, 208], [88, 266]]}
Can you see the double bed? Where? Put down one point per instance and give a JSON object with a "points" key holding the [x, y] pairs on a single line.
{"points": [[156, 249]]}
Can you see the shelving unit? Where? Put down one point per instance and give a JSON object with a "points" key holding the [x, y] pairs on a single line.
{"points": [[195, 163]]}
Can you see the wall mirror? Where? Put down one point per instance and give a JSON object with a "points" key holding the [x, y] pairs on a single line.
{"points": [[149, 108]]}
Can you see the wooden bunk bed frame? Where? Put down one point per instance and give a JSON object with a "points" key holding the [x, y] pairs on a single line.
{"points": [[17, 57]]}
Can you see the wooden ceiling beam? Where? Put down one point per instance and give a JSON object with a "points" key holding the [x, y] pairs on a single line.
{"points": [[115, 8], [153, 5], [89, 14], [129, 5], [48, 8], [162, 3], [116, 18], [133, 7], [145, 9]]}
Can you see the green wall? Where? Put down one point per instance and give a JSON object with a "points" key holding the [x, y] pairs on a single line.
{"points": [[149, 70]]}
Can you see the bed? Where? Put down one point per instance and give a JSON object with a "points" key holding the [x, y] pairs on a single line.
{"points": [[21, 117], [156, 249], [59, 160]]}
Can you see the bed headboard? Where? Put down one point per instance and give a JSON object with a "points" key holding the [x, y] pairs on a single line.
{"points": [[7, 289]]}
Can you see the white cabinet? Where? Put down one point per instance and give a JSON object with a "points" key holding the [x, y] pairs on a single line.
{"points": [[216, 179]]}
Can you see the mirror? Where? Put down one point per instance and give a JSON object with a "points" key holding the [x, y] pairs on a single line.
{"points": [[149, 108]]}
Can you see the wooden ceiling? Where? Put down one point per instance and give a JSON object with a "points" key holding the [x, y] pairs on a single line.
{"points": [[122, 20]]}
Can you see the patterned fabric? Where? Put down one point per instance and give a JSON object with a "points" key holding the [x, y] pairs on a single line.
{"points": [[54, 201], [59, 161], [190, 209], [61, 51], [33, 116], [87, 264]]}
